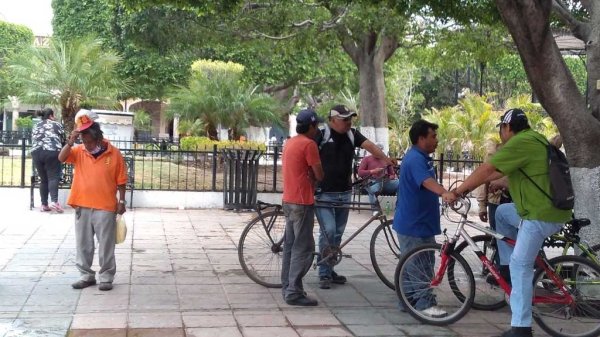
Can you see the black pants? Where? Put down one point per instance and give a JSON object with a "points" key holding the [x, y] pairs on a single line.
{"points": [[48, 168]]}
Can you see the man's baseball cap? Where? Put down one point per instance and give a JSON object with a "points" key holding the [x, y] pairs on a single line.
{"points": [[341, 111], [84, 119], [514, 117], [308, 116]]}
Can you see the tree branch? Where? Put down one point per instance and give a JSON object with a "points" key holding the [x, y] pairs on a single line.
{"points": [[580, 30]]}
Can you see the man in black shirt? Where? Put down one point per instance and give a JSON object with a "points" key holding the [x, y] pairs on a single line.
{"points": [[336, 149]]}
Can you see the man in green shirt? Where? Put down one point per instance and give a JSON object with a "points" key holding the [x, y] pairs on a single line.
{"points": [[529, 220]]}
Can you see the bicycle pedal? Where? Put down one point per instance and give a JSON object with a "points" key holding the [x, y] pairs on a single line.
{"points": [[347, 256]]}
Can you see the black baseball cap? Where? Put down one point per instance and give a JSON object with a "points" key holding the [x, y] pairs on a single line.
{"points": [[514, 117]]}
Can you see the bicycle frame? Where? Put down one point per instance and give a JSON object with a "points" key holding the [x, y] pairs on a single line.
{"points": [[540, 260], [353, 206]]}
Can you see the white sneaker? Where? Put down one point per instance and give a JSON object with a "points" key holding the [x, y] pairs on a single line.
{"points": [[434, 312]]}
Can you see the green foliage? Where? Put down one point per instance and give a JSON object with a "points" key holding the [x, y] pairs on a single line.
{"points": [[24, 122], [142, 121], [206, 144], [466, 126], [215, 96], [74, 19], [193, 128], [13, 39], [471, 124], [66, 74]]}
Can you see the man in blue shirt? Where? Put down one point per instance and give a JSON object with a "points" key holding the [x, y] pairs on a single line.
{"points": [[417, 217]]}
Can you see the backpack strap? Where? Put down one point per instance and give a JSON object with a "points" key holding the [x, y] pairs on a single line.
{"points": [[326, 135], [528, 177]]}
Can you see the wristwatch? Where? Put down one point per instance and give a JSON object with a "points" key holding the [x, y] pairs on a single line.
{"points": [[123, 202]]}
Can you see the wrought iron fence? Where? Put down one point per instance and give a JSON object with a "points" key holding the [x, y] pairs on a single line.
{"points": [[170, 168]]}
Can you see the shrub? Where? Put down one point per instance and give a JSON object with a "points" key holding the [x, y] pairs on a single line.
{"points": [[206, 144]]}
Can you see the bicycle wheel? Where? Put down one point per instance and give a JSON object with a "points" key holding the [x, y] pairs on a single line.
{"points": [[595, 251], [385, 253], [260, 251], [582, 317], [413, 281], [487, 296]]}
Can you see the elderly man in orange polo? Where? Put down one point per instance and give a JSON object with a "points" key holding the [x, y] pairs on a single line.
{"points": [[99, 173]]}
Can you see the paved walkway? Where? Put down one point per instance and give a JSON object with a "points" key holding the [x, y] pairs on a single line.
{"points": [[178, 275]]}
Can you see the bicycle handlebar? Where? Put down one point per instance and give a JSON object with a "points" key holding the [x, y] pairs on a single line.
{"points": [[462, 205]]}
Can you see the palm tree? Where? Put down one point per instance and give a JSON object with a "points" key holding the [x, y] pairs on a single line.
{"points": [[216, 96], [67, 74]]}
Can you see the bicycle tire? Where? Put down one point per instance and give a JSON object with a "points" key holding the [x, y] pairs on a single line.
{"points": [[260, 252], [582, 277], [487, 297], [595, 249], [416, 263], [385, 253]]}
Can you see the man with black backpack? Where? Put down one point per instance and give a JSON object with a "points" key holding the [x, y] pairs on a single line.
{"points": [[540, 207], [337, 142]]}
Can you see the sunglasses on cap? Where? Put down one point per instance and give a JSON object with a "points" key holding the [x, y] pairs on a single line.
{"points": [[345, 119]]}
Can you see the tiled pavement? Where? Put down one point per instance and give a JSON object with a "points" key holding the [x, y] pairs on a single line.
{"points": [[178, 275]]}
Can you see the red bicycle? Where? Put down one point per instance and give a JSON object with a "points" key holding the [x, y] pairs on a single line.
{"points": [[566, 298]]}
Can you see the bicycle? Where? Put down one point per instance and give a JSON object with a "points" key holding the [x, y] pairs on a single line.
{"points": [[260, 247], [566, 293], [491, 297]]}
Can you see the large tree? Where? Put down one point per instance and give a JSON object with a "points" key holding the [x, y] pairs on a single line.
{"points": [[577, 116], [368, 33]]}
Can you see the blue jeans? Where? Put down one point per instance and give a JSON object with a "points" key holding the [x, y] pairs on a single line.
{"points": [[423, 297], [332, 223], [389, 187], [530, 235]]}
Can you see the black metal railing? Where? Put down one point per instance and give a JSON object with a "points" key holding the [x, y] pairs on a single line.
{"points": [[174, 169]]}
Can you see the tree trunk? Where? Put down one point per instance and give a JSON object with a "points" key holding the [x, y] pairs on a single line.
{"points": [[528, 23], [68, 118], [369, 51], [373, 116]]}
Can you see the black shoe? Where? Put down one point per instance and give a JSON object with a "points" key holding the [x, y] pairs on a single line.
{"points": [[338, 279], [83, 284], [518, 332], [303, 301], [105, 286], [324, 282]]}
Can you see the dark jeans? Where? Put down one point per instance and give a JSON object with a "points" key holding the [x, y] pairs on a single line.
{"points": [[48, 168], [298, 248], [492, 220]]}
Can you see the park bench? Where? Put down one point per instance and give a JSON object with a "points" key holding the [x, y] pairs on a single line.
{"points": [[66, 179]]}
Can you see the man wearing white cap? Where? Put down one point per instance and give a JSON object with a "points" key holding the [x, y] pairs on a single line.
{"points": [[99, 173], [337, 143]]}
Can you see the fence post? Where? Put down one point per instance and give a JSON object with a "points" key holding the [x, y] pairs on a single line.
{"points": [[275, 159], [441, 172], [214, 168], [23, 162]]}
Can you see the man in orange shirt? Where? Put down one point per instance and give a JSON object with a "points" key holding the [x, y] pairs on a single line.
{"points": [[301, 170], [99, 172]]}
